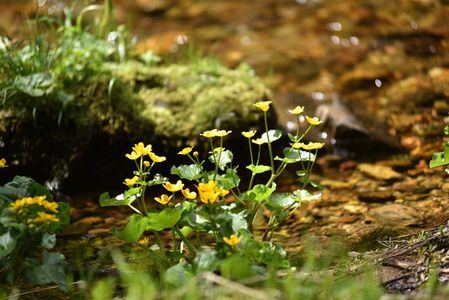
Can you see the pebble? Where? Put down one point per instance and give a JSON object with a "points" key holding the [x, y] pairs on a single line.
{"points": [[394, 215], [379, 171]]}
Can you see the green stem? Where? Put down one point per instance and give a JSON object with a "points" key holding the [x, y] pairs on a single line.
{"points": [[268, 140], [160, 243], [212, 221], [185, 240], [173, 239]]}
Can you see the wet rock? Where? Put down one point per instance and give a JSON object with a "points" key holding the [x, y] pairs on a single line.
{"points": [[394, 215], [379, 171], [406, 186], [382, 194]]}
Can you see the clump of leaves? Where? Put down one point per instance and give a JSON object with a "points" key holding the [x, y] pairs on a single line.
{"points": [[441, 158]]}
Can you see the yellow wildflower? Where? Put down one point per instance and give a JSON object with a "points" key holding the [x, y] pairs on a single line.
{"points": [[156, 158], [207, 186], [134, 155], [265, 106], [164, 199], [3, 163], [36, 200], [185, 151], [313, 121], [132, 181], [144, 241], [173, 187], [142, 149], [208, 196], [258, 141], [188, 194], [146, 163], [249, 134], [233, 240], [195, 153], [44, 217], [297, 110], [51, 206], [222, 133], [309, 146], [210, 133], [19, 203], [218, 149]]}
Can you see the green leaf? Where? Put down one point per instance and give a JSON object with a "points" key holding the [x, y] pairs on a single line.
{"points": [[230, 179], [440, 158], [302, 195], [279, 202], [446, 130], [48, 240], [52, 269], [165, 219], [133, 231], [295, 156], [258, 169], [273, 135], [221, 158], [178, 275], [190, 172], [123, 199], [293, 138], [7, 244], [259, 193], [157, 179], [206, 260], [239, 222], [269, 254], [35, 85]]}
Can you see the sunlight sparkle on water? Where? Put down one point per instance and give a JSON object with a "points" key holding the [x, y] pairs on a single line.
{"points": [[378, 83], [40, 2], [414, 25], [323, 135], [432, 49], [302, 2], [335, 40], [335, 26], [181, 39], [318, 96], [301, 119], [291, 125], [333, 141], [354, 40]]}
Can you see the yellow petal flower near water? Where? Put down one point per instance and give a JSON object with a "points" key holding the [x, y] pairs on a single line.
{"points": [[210, 133], [132, 181], [142, 149], [258, 141], [188, 194], [249, 134], [3, 163], [313, 121], [185, 151], [173, 187], [265, 106], [297, 110], [309, 146], [221, 133], [36, 200], [44, 217], [134, 155], [156, 158], [19, 203], [51, 206], [164, 199], [233, 240]]}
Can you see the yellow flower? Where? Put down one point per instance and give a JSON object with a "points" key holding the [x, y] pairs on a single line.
{"points": [[51, 206], [173, 187], [142, 149], [36, 200], [309, 146], [195, 153], [297, 110], [19, 203], [3, 163], [144, 241], [249, 134], [265, 106], [313, 121], [210, 133], [218, 149], [156, 158], [207, 186], [233, 240], [188, 194], [208, 196], [132, 181], [134, 155], [44, 217], [164, 199], [222, 133], [146, 163], [185, 151], [258, 141]]}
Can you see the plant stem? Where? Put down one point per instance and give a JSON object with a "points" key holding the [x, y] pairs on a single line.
{"points": [[185, 240], [160, 243]]}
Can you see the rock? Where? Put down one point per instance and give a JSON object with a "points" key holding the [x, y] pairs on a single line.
{"points": [[394, 215], [382, 194], [379, 172]]}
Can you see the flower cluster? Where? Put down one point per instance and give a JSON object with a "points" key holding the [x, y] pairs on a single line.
{"points": [[24, 206], [209, 192], [140, 150]]}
